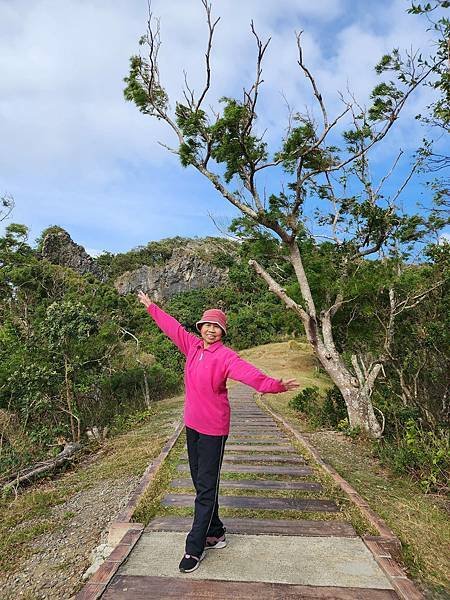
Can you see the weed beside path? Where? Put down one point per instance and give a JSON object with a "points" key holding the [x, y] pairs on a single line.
{"points": [[48, 532]]}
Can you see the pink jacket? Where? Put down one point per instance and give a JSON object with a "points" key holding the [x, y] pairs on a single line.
{"points": [[206, 407]]}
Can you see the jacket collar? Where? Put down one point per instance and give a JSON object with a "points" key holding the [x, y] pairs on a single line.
{"points": [[211, 348]]}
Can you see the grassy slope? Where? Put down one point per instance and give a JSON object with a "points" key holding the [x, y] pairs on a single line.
{"points": [[420, 521], [29, 515]]}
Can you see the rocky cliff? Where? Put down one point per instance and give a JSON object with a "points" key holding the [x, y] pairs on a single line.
{"points": [[59, 248], [187, 269], [190, 266]]}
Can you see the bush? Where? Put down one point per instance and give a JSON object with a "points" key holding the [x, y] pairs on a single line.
{"points": [[333, 407], [306, 400], [325, 411], [423, 455], [127, 386]]}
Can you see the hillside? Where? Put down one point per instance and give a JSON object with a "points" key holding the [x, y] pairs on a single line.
{"points": [[49, 531]]}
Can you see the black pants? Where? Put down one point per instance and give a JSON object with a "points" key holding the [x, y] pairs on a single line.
{"points": [[205, 454]]}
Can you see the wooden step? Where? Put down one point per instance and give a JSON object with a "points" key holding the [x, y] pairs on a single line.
{"points": [[272, 438], [139, 587], [293, 527], [252, 426], [249, 414], [258, 448], [257, 484], [258, 503], [251, 458], [257, 440], [251, 419], [274, 458], [257, 432], [265, 469]]}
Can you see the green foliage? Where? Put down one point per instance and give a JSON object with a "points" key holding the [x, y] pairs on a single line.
{"points": [[232, 141], [386, 98], [422, 454], [144, 89], [345, 428], [306, 400], [125, 390], [321, 411], [298, 143]]}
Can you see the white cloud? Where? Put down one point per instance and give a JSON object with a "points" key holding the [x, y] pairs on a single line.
{"points": [[72, 147]]}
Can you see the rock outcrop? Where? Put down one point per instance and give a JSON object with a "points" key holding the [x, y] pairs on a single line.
{"points": [[184, 271], [190, 267], [59, 249]]}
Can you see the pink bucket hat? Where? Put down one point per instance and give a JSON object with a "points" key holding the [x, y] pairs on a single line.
{"points": [[214, 315]]}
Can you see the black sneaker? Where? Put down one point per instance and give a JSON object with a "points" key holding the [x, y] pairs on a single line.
{"points": [[189, 563], [215, 542]]}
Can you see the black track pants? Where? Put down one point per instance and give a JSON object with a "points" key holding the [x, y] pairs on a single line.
{"points": [[205, 459]]}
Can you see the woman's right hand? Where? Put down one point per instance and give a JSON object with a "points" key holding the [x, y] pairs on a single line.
{"points": [[144, 299]]}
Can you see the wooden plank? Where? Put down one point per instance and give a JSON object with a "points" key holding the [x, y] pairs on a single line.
{"points": [[257, 484], [262, 469], [249, 414], [134, 587], [251, 419], [259, 503], [258, 448], [274, 458], [256, 439], [251, 427], [291, 527], [257, 432], [91, 591], [252, 458], [253, 423]]}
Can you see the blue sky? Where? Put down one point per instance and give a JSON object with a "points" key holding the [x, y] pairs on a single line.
{"points": [[75, 154]]}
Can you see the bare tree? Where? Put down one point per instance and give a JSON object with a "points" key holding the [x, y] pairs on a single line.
{"points": [[6, 206], [359, 224]]}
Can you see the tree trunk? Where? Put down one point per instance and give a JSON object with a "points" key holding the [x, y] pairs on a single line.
{"points": [[146, 390], [356, 389], [69, 400], [357, 395]]}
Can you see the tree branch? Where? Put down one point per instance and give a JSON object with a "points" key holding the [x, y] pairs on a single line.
{"points": [[279, 291], [211, 27]]}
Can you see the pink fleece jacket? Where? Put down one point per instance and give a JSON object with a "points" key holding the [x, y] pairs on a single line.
{"points": [[206, 407]]}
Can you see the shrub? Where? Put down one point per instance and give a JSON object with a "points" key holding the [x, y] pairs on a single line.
{"points": [[322, 412], [423, 455], [306, 400]]}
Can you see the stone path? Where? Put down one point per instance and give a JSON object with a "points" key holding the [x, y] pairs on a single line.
{"points": [[282, 556]]}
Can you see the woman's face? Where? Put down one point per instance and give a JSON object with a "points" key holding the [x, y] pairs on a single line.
{"points": [[211, 333]]}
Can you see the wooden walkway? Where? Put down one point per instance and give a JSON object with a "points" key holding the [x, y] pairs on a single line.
{"points": [[259, 459]]}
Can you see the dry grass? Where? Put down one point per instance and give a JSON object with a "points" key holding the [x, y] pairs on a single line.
{"points": [[30, 514], [420, 521]]}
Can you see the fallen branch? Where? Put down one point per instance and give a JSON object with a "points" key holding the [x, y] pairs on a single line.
{"points": [[30, 473]]}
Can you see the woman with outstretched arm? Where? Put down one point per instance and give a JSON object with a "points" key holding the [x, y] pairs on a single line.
{"points": [[209, 363]]}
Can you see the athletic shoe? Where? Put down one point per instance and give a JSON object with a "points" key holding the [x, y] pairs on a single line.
{"points": [[215, 542], [189, 563]]}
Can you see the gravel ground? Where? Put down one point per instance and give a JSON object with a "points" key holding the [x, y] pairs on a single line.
{"points": [[61, 557]]}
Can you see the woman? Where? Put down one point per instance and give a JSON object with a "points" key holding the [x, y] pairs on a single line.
{"points": [[207, 415]]}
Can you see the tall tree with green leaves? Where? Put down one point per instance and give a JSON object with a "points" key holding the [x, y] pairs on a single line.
{"points": [[67, 325], [323, 167]]}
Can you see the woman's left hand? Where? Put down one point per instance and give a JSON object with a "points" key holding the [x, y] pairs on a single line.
{"points": [[290, 384]]}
